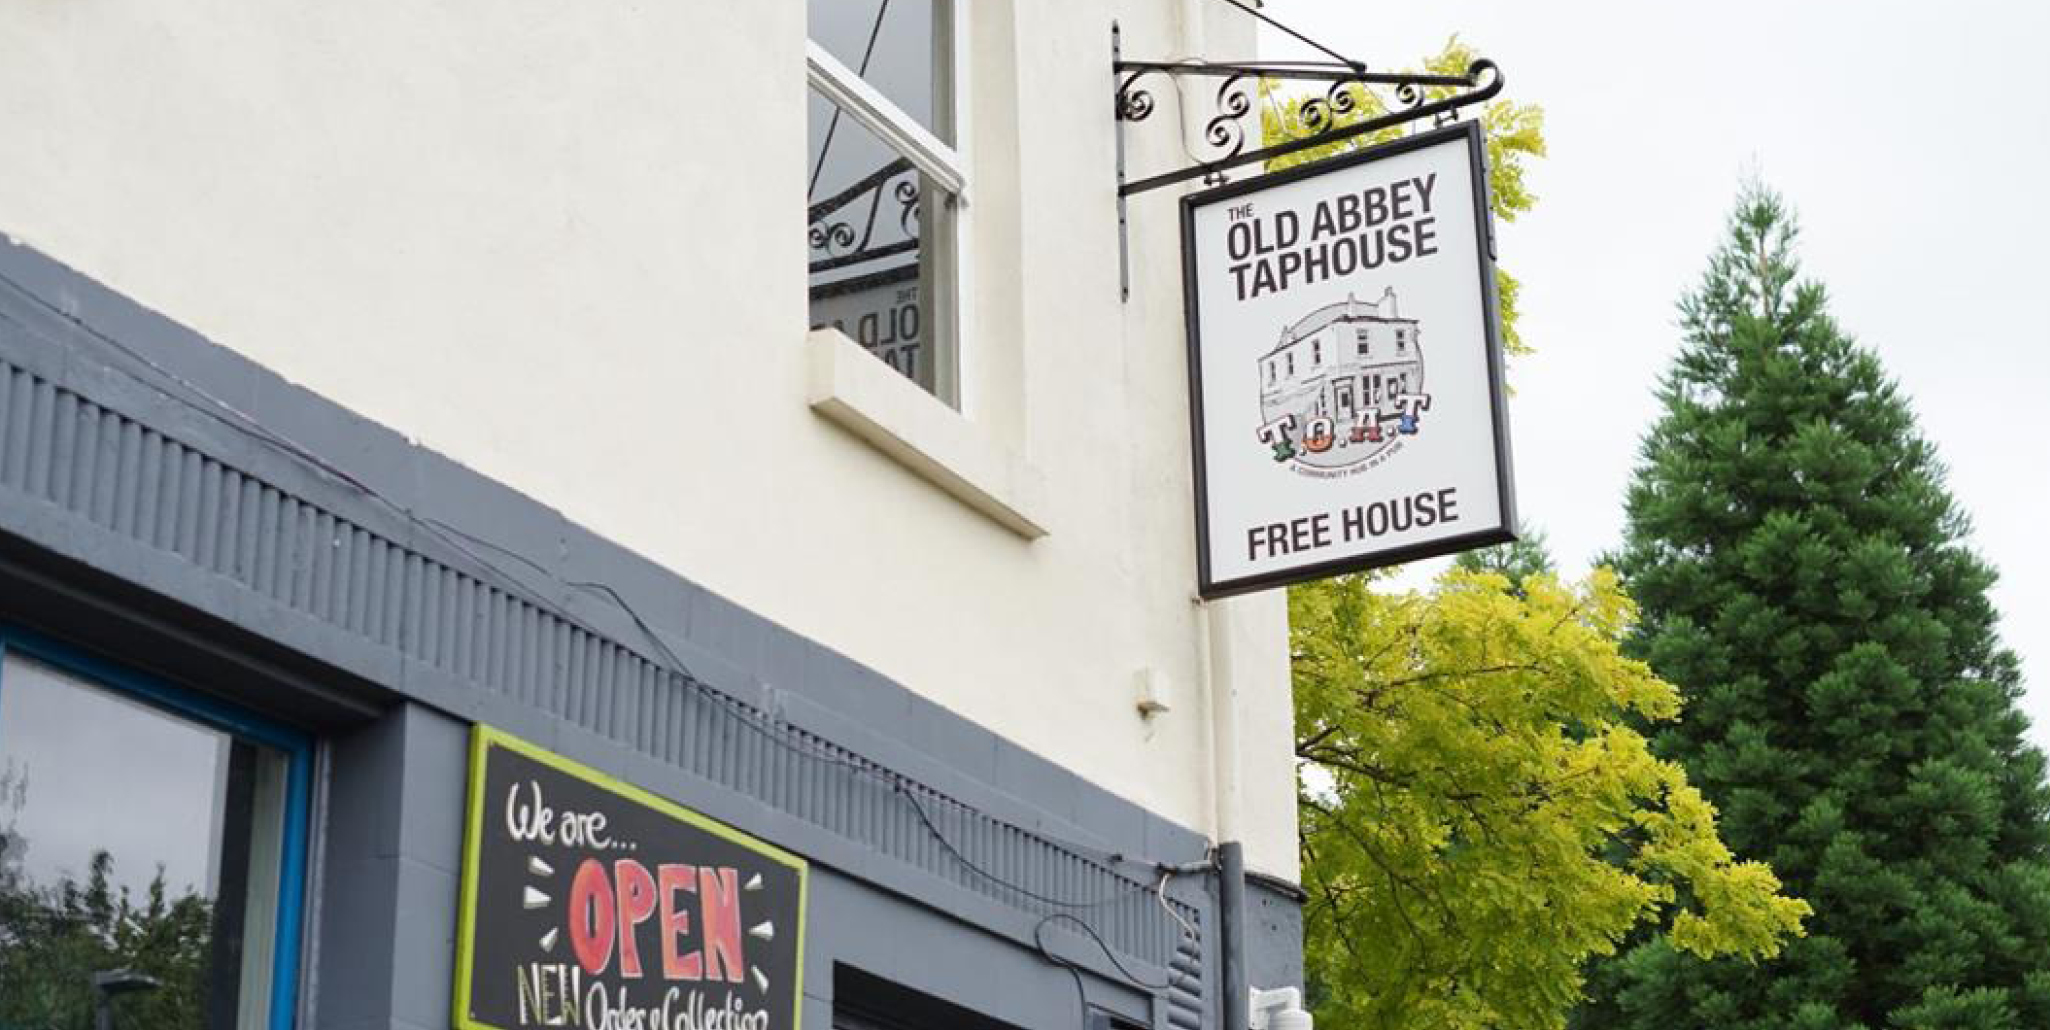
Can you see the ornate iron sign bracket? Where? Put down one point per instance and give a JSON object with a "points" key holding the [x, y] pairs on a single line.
{"points": [[1405, 98]]}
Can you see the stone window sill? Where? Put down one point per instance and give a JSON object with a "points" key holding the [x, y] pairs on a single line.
{"points": [[853, 390]]}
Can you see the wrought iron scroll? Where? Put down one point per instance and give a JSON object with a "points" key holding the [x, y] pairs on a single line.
{"points": [[844, 229], [1320, 120]]}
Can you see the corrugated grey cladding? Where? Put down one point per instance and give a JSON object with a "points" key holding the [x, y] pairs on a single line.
{"points": [[1185, 988], [64, 449]]}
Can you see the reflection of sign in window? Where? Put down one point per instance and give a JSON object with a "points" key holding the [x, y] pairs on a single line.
{"points": [[885, 181], [880, 312], [590, 902]]}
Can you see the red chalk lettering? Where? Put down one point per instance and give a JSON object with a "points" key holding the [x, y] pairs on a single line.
{"points": [[676, 922], [719, 896], [591, 917], [636, 904]]}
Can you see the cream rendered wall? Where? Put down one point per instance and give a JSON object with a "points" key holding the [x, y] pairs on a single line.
{"points": [[563, 244]]}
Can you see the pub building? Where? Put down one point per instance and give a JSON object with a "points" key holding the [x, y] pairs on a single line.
{"points": [[473, 556]]}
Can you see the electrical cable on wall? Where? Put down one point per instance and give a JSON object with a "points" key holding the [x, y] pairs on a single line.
{"points": [[1075, 971], [833, 124], [901, 785]]}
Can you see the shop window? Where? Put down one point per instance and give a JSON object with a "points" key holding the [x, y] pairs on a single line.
{"points": [[862, 1001], [886, 182], [151, 853]]}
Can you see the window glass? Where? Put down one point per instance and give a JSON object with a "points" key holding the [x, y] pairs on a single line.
{"points": [[900, 47], [875, 269], [136, 846], [879, 232]]}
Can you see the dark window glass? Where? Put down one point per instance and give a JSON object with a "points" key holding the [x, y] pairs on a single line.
{"points": [[138, 846], [865, 1002], [871, 268]]}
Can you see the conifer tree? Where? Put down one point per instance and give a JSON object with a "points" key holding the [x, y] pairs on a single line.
{"points": [[1805, 579]]}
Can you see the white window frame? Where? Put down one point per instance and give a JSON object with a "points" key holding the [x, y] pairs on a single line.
{"points": [[934, 435], [945, 166], [902, 133]]}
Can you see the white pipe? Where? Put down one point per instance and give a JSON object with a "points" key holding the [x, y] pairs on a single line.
{"points": [[1192, 27], [1194, 42], [1214, 619], [1220, 687]]}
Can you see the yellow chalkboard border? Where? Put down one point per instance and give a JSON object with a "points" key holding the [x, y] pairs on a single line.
{"points": [[482, 739]]}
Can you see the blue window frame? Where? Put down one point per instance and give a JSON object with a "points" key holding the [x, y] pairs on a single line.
{"points": [[287, 748]]}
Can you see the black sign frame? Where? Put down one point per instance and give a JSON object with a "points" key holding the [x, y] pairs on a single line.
{"points": [[1211, 589]]}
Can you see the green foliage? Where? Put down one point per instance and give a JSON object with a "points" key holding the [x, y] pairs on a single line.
{"points": [[1478, 814], [53, 939], [1514, 134], [1804, 578]]}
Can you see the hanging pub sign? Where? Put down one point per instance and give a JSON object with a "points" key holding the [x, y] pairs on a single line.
{"points": [[1345, 365], [590, 903]]}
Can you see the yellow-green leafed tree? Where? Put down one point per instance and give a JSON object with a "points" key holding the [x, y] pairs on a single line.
{"points": [[1480, 815]]}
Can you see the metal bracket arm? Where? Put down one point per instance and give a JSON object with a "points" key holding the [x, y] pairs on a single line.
{"points": [[1319, 115]]}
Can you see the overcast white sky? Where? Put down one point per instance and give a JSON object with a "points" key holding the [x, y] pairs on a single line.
{"points": [[80, 748], [1911, 137]]}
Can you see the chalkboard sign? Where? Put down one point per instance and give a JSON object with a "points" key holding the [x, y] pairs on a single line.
{"points": [[590, 903]]}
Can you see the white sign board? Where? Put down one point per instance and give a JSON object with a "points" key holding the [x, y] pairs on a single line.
{"points": [[1345, 367]]}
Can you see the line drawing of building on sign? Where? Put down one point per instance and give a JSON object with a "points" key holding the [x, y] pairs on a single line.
{"points": [[1343, 383]]}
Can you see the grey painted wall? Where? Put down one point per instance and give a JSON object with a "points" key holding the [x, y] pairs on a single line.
{"points": [[377, 591], [1274, 933], [384, 945]]}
